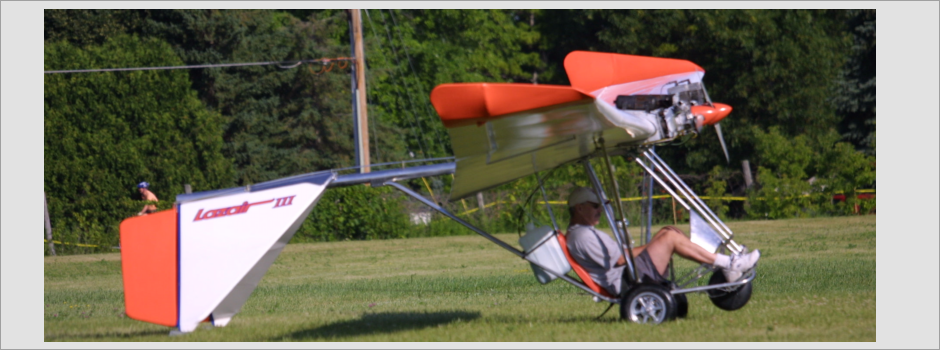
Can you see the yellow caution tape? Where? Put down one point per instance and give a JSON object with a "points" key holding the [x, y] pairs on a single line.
{"points": [[661, 196], [75, 244]]}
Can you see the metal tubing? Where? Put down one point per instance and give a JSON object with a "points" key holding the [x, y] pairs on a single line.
{"points": [[703, 209], [713, 286], [697, 203], [665, 186], [610, 219], [394, 174], [673, 193], [687, 278], [320, 177], [401, 162], [649, 210], [691, 194], [655, 157], [498, 242], [687, 194], [434, 206], [614, 184], [586, 289], [547, 206]]}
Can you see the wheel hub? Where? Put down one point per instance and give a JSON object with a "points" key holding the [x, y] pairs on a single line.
{"points": [[647, 307]]}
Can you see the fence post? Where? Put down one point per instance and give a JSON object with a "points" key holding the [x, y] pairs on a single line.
{"points": [[748, 180], [480, 201], [45, 208], [188, 188], [673, 210]]}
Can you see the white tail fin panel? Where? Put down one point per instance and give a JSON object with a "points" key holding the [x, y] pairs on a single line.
{"points": [[227, 243]]}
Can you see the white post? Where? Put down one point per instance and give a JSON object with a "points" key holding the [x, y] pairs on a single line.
{"points": [[45, 208], [748, 180]]}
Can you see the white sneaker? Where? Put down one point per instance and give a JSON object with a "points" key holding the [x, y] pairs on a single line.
{"points": [[741, 263]]}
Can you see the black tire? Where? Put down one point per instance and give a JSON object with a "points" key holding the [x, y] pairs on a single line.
{"points": [[648, 303], [728, 299], [682, 305]]}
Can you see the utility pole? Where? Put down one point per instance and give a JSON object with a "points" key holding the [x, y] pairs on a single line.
{"points": [[360, 109]]}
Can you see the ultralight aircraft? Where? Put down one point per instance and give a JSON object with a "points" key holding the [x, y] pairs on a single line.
{"points": [[201, 260]]}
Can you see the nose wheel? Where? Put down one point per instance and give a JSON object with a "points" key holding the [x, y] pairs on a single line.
{"points": [[731, 298]]}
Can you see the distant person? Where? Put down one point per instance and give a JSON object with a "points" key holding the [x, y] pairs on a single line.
{"points": [[146, 195], [599, 255]]}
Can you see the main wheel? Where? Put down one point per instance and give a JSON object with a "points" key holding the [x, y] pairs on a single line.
{"points": [[731, 298], [648, 304], [682, 305]]}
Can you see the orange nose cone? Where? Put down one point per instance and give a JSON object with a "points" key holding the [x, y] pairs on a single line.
{"points": [[712, 114], [721, 111]]}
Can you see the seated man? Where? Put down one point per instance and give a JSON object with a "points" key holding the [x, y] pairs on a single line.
{"points": [[146, 195], [599, 255]]}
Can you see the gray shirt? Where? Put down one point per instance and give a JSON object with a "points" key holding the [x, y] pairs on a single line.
{"points": [[597, 253]]}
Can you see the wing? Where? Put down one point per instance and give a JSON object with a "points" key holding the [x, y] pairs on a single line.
{"points": [[502, 132]]}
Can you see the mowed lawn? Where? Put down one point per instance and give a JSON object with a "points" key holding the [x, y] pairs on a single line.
{"points": [[816, 282]]}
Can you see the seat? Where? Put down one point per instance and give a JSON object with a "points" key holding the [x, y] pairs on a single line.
{"points": [[583, 274]]}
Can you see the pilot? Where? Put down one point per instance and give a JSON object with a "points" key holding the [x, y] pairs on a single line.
{"points": [[598, 254]]}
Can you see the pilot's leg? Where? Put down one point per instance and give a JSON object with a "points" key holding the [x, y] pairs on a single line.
{"points": [[671, 240]]}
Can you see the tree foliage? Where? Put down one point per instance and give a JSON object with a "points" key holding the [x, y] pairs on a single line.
{"points": [[277, 121], [106, 132], [800, 81], [412, 51], [774, 67], [855, 92]]}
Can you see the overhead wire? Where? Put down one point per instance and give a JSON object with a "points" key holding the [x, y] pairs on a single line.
{"points": [[373, 120], [379, 43], [410, 100], [437, 131], [280, 64]]}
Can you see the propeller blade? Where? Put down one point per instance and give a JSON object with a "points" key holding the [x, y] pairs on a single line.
{"points": [[722, 140]]}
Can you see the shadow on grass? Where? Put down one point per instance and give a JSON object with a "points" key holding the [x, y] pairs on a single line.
{"points": [[383, 322]]}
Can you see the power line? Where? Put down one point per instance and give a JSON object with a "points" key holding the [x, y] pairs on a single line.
{"points": [[437, 131], [280, 64], [391, 44]]}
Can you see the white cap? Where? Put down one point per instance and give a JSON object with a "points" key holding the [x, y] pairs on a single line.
{"points": [[582, 195]]}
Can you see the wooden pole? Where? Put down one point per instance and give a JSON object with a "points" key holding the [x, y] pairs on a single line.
{"points": [[361, 100], [188, 188], [480, 201], [45, 208], [674, 211]]}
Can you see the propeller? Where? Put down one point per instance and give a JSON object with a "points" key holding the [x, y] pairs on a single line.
{"points": [[722, 140], [712, 115]]}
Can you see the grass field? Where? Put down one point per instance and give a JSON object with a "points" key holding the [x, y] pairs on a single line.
{"points": [[816, 282]]}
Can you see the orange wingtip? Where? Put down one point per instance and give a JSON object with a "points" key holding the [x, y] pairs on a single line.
{"points": [[712, 114], [148, 264], [590, 71], [475, 103]]}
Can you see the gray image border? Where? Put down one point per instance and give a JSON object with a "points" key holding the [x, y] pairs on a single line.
{"points": [[908, 55]]}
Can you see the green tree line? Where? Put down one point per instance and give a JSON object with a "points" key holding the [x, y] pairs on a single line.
{"points": [[801, 83]]}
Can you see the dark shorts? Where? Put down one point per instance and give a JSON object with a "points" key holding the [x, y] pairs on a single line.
{"points": [[646, 270]]}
